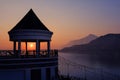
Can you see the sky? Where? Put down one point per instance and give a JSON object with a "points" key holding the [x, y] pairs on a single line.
{"points": [[67, 19]]}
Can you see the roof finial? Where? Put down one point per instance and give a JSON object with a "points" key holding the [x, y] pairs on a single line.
{"points": [[31, 9]]}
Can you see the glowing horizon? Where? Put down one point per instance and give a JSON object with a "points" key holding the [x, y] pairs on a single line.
{"points": [[67, 19]]}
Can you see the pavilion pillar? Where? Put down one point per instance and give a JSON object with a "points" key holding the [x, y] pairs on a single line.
{"points": [[19, 48], [26, 48], [14, 47], [48, 47], [37, 48]]}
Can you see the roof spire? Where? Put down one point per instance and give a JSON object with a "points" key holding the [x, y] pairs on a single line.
{"points": [[31, 10], [30, 21]]}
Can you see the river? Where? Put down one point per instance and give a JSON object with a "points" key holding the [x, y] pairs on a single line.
{"points": [[106, 63]]}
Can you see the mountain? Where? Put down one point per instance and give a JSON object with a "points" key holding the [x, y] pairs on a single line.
{"points": [[84, 40], [109, 42]]}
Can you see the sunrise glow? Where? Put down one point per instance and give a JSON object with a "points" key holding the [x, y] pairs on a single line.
{"points": [[31, 45], [59, 39], [73, 20]]}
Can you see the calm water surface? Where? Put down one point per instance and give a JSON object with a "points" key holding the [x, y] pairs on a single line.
{"points": [[109, 63]]}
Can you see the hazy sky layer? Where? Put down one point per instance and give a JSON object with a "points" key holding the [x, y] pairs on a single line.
{"points": [[68, 19]]}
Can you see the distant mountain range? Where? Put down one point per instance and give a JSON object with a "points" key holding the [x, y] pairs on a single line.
{"points": [[109, 42], [84, 40]]}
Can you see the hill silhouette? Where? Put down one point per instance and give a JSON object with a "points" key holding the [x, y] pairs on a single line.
{"points": [[83, 40], [109, 42]]}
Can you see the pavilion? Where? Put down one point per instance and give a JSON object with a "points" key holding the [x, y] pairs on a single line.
{"points": [[30, 29], [16, 66]]}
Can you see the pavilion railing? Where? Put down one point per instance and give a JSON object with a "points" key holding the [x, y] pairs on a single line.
{"points": [[29, 53]]}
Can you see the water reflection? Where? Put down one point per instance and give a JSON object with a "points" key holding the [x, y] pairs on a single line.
{"points": [[108, 61]]}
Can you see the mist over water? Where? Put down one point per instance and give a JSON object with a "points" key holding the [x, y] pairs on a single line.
{"points": [[105, 62]]}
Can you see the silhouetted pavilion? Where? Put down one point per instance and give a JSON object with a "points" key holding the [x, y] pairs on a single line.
{"points": [[14, 66], [30, 29]]}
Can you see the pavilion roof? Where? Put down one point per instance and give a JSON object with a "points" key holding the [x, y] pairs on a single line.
{"points": [[30, 21]]}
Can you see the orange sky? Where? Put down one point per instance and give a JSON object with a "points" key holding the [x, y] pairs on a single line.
{"points": [[68, 19]]}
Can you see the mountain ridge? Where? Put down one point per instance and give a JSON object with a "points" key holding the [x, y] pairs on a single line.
{"points": [[108, 42], [83, 40]]}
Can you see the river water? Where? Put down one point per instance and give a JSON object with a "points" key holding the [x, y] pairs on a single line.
{"points": [[105, 62]]}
